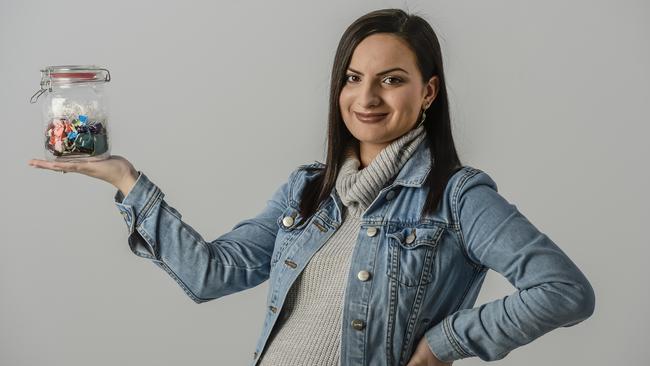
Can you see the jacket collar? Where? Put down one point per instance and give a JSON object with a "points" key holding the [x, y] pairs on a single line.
{"points": [[416, 169], [412, 174]]}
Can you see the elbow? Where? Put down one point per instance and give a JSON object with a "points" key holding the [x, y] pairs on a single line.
{"points": [[198, 300], [581, 303], [588, 300]]}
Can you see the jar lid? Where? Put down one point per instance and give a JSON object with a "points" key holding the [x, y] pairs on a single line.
{"points": [[70, 74]]}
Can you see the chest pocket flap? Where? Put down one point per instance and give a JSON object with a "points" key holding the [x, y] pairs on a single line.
{"points": [[410, 254]]}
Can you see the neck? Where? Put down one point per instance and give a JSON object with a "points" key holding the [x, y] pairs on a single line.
{"points": [[368, 152]]}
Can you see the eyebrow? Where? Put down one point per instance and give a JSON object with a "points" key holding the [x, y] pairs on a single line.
{"points": [[380, 73]]}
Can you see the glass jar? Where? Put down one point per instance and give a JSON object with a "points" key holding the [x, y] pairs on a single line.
{"points": [[75, 112]]}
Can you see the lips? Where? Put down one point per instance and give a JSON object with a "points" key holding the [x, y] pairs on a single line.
{"points": [[370, 117]]}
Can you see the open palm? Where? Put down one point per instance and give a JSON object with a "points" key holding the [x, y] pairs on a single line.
{"points": [[113, 170]]}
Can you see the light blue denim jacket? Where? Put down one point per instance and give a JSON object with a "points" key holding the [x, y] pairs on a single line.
{"points": [[426, 272]]}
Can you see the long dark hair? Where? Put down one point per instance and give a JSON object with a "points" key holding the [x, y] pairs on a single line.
{"points": [[422, 40]]}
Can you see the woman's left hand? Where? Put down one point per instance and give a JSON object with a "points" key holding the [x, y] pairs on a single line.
{"points": [[424, 357]]}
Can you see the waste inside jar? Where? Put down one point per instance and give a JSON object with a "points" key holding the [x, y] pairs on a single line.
{"points": [[76, 136]]}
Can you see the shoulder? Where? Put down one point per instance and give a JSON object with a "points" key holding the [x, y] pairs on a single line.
{"points": [[304, 172], [301, 175], [315, 166], [469, 186], [468, 177], [473, 193]]}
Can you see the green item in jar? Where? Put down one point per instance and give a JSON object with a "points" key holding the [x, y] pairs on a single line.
{"points": [[85, 142], [101, 144]]}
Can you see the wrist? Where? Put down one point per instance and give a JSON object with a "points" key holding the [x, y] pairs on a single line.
{"points": [[126, 183]]}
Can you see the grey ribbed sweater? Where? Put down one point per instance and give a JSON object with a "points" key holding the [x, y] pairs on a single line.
{"points": [[309, 328]]}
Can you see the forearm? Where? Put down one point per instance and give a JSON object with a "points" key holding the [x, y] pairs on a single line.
{"points": [[157, 232], [235, 261], [490, 331]]}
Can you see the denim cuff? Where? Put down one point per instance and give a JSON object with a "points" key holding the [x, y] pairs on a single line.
{"points": [[134, 209], [443, 343]]}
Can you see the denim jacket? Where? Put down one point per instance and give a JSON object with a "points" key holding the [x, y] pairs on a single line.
{"points": [[425, 272]]}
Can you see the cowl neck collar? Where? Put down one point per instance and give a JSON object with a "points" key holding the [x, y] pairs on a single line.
{"points": [[356, 187]]}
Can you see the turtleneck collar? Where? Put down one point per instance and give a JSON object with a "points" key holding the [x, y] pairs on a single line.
{"points": [[356, 187]]}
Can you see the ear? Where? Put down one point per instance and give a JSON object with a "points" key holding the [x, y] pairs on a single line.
{"points": [[431, 89]]}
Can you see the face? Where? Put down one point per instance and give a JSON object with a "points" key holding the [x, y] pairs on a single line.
{"points": [[374, 84]]}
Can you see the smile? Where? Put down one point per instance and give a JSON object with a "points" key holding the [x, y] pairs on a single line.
{"points": [[370, 117]]}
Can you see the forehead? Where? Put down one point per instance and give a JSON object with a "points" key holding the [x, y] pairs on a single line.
{"points": [[382, 50]]}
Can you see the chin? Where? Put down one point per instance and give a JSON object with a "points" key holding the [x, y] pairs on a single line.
{"points": [[371, 138]]}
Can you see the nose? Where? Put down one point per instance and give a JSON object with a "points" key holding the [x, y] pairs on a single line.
{"points": [[368, 96]]}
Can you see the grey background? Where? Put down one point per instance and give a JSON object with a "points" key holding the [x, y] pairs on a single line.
{"points": [[218, 102]]}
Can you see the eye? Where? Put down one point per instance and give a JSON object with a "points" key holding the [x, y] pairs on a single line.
{"points": [[347, 77], [398, 80], [392, 79]]}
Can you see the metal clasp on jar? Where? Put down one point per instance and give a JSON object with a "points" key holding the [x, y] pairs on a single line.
{"points": [[69, 74]]}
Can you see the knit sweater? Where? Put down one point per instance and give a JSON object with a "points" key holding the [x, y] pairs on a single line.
{"points": [[308, 331]]}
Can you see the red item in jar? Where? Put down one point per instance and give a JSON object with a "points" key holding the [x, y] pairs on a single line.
{"points": [[68, 127]]}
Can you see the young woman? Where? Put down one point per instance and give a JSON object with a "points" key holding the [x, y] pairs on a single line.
{"points": [[376, 256]]}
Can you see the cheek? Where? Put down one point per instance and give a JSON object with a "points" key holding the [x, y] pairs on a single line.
{"points": [[405, 103], [344, 100]]}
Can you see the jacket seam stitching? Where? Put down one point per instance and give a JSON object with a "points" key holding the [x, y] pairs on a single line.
{"points": [[411, 325], [452, 339], [185, 288], [292, 179], [464, 179], [391, 318], [149, 205]]}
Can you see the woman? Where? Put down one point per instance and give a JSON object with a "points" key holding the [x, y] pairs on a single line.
{"points": [[377, 256]]}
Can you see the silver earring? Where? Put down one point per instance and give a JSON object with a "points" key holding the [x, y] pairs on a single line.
{"points": [[424, 116]]}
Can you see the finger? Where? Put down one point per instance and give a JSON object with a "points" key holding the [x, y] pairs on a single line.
{"points": [[43, 164], [57, 166], [40, 164], [33, 162]]}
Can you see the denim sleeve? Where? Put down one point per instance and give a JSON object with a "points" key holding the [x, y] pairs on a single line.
{"points": [[551, 291], [235, 261]]}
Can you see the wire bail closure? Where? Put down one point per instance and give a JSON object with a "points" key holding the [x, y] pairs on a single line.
{"points": [[46, 78]]}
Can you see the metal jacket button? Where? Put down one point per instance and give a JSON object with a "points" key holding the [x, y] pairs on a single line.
{"points": [[390, 195], [291, 264], [363, 275], [371, 231], [273, 308], [410, 238], [358, 324], [287, 221]]}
